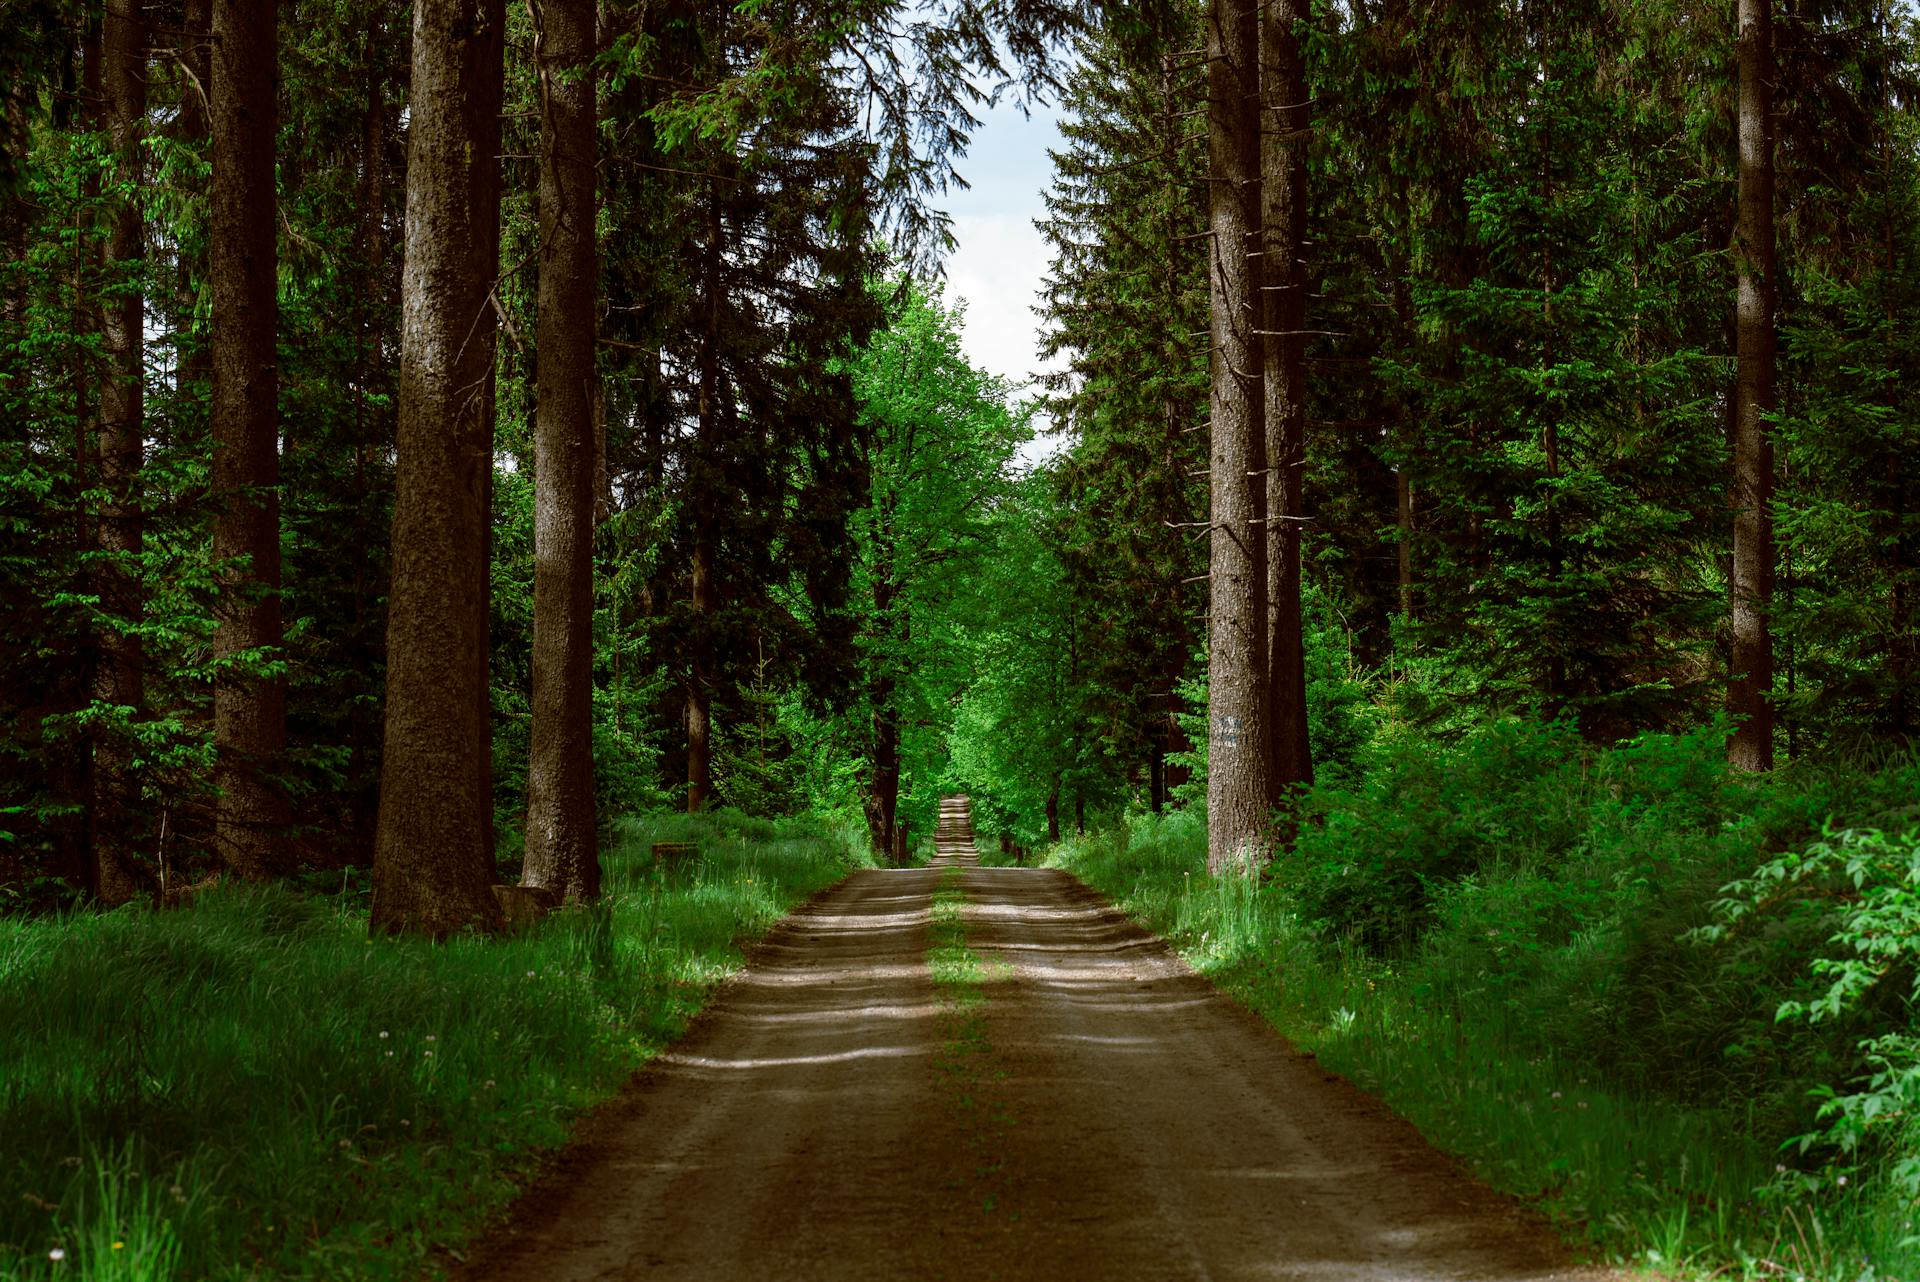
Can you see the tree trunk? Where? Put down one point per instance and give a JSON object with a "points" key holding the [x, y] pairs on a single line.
{"points": [[1750, 682], [1403, 487], [1238, 791], [1053, 811], [700, 687], [561, 849], [700, 684], [1157, 769], [119, 678], [433, 855], [363, 728], [883, 797], [249, 706], [1283, 186], [193, 366]]}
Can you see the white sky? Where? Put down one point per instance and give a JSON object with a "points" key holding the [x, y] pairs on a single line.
{"points": [[1001, 260]]}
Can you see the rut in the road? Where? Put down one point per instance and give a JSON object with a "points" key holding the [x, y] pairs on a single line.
{"points": [[1111, 1117]]}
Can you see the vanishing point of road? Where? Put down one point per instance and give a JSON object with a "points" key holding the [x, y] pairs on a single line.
{"points": [[1094, 1110]]}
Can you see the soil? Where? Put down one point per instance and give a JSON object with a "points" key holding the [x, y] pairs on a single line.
{"points": [[1102, 1113]]}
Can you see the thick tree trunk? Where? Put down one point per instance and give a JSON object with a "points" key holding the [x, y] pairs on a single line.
{"points": [[1238, 791], [1750, 682], [1283, 186], [119, 678], [433, 855], [249, 707], [1053, 811], [561, 838]]}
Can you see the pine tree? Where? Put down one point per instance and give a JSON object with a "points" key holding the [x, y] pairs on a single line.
{"points": [[561, 838], [249, 687], [433, 859], [1238, 783]]}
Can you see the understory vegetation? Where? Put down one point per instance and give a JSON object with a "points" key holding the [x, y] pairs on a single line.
{"points": [[252, 1086], [1670, 1003]]}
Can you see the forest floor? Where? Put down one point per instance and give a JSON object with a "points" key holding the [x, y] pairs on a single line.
{"points": [[987, 1073]]}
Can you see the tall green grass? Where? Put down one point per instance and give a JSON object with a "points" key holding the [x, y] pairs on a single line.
{"points": [[251, 1087], [1460, 1039]]}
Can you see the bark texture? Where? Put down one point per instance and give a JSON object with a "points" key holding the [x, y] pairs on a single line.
{"points": [[1283, 187], [561, 832], [1238, 793], [1750, 681], [433, 852], [119, 677], [249, 708]]}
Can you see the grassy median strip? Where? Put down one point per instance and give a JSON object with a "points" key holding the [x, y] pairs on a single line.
{"points": [[967, 1060], [251, 1088]]}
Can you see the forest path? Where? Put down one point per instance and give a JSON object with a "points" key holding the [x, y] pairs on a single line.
{"points": [[1070, 1101]]}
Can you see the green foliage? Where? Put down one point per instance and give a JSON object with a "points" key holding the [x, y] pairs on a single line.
{"points": [[1859, 890], [252, 1086], [1547, 1013]]}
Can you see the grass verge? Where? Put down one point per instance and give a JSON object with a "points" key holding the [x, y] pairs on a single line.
{"points": [[1648, 1182], [252, 1087], [966, 1062]]}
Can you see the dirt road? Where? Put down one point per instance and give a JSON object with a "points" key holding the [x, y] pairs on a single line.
{"points": [[1082, 1107]]}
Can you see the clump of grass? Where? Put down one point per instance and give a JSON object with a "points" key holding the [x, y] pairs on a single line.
{"points": [[253, 1087], [1650, 1179]]}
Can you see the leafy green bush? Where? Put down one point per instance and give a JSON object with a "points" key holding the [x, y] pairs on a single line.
{"points": [[1858, 891]]}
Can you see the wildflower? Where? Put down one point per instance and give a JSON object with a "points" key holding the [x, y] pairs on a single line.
{"points": [[428, 1054], [1843, 1181], [489, 1083], [1583, 1103], [58, 1253], [346, 1143], [119, 1246], [179, 1194], [405, 1122], [383, 1034], [1556, 1094], [432, 1038]]}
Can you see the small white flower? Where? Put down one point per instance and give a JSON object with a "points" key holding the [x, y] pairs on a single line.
{"points": [[428, 1054], [1843, 1181], [383, 1034], [58, 1253], [1556, 1094], [489, 1083], [529, 974], [432, 1038]]}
